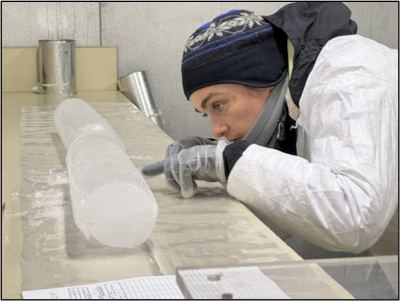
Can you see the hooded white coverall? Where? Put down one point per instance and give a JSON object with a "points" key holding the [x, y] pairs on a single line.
{"points": [[341, 191]]}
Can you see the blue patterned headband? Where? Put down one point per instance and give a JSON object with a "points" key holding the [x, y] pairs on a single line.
{"points": [[236, 47]]}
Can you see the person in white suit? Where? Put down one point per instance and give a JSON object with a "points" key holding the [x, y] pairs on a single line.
{"points": [[311, 111]]}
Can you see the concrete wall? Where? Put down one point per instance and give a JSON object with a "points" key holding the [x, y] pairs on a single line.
{"points": [[24, 23], [150, 37]]}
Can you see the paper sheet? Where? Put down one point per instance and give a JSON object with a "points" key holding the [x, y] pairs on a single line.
{"points": [[159, 287]]}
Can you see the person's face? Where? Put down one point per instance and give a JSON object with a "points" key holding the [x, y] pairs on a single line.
{"points": [[232, 109]]}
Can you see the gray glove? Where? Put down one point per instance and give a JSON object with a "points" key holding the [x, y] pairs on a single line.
{"points": [[174, 148], [185, 143], [201, 162]]}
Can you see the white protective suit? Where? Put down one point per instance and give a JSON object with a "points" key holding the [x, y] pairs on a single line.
{"points": [[341, 191]]}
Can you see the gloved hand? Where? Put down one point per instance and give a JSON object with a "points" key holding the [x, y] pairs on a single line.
{"points": [[174, 148], [201, 162], [185, 143]]}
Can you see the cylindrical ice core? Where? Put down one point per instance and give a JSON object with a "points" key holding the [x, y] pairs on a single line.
{"points": [[75, 118], [110, 199]]}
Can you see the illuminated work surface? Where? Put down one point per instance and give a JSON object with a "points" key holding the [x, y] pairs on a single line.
{"points": [[364, 277], [209, 229]]}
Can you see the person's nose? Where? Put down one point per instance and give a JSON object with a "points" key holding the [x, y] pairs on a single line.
{"points": [[219, 129]]}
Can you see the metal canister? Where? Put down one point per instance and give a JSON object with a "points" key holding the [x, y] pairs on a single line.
{"points": [[57, 67], [136, 88]]}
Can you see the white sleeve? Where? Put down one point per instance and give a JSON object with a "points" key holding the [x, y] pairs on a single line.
{"points": [[344, 196]]}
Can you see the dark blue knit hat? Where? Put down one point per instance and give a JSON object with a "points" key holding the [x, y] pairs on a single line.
{"points": [[237, 47]]}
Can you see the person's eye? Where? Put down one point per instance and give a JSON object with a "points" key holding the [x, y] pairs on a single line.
{"points": [[218, 107]]}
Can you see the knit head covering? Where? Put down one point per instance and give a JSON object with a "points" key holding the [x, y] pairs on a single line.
{"points": [[237, 47]]}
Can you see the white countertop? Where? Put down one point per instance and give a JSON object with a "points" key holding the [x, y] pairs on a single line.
{"points": [[210, 229]]}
